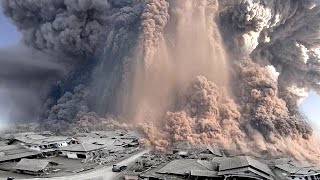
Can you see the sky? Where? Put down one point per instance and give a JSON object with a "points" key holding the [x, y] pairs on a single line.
{"points": [[9, 36]]}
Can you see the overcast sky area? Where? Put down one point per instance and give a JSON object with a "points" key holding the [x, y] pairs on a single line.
{"points": [[9, 36]]}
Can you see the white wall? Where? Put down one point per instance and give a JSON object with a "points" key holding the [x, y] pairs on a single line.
{"points": [[72, 155], [304, 178], [36, 148]]}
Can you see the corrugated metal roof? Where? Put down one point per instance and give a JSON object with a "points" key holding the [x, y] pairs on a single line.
{"points": [[12, 152], [84, 147], [288, 168], [300, 163], [26, 153], [100, 141], [34, 165], [204, 173], [207, 164], [181, 167], [294, 170], [39, 139], [245, 172], [243, 161]]}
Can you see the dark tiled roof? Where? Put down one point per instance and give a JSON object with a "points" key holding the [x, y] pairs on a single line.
{"points": [[214, 150], [298, 169], [84, 147], [34, 165], [100, 141], [13, 152], [39, 139], [204, 173], [181, 167], [245, 172], [243, 161]]}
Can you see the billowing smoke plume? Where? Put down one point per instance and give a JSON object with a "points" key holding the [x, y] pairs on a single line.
{"points": [[284, 34], [154, 18], [73, 27], [229, 72]]}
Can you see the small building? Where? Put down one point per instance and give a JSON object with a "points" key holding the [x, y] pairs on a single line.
{"points": [[82, 151], [39, 142], [296, 170], [131, 177], [244, 167], [15, 153], [212, 151], [205, 174], [187, 167], [34, 166]]}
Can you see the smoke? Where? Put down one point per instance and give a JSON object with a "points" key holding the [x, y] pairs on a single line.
{"points": [[20, 64], [279, 33], [73, 27], [229, 72], [25, 75], [154, 18]]}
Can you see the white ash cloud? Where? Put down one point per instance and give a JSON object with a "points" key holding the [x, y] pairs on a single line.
{"points": [[284, 34]]}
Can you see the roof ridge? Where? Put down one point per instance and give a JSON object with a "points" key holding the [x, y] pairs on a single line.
{"points": [[200, 162], [84, 146], [246, 159]]}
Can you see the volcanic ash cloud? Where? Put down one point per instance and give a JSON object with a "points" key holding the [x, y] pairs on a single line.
{"points": [[229, 72]]}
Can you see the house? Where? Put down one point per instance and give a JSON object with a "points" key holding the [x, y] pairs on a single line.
{"points": [[82, 151], [181, 149], [296, 170], [54, 142], [185, 167], [209, 152], [97, 141], [34, 166], [205, 174], [109, 138], [210, 149], [131, 177], [14, 153], [39, 142], [244, 167]]}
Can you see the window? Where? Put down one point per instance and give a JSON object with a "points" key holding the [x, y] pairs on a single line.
{"points": [[81, 156]]}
